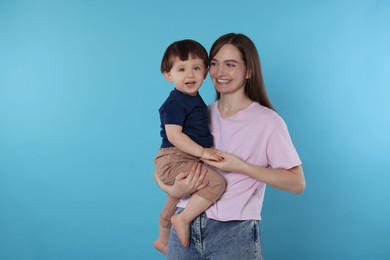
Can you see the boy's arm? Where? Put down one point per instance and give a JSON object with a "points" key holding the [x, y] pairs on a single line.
{"points": [[184, 143], [181, 141]]}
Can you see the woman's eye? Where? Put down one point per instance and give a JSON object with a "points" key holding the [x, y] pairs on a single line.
{"points": [[213, 63], [230, 65]]}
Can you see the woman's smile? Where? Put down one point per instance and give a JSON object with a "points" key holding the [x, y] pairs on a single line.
{"points": [[224, 81]]}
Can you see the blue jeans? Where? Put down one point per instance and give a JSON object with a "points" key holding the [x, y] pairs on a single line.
{"points": [[217, 240]]}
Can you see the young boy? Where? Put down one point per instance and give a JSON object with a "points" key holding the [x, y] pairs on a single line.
{"points": [[186, 138]]}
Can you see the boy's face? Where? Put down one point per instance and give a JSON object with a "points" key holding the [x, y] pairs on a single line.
{"points": [[188, 75]]}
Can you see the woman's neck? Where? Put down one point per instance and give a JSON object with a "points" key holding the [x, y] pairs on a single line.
{"points": [[229, 105]]}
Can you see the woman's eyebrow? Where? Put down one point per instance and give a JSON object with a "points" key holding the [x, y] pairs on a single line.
{"points": [[231, 60]]}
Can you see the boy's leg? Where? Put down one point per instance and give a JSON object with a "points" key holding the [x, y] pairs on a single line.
{"points": [[165, 224], [176, 251], [181, 222], [199, 202], [216, 185], [161, 242], [168, 211]]}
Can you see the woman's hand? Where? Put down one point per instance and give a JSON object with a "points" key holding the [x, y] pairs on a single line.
{"points": [[229, 163], [211, 154], [186, 183]]}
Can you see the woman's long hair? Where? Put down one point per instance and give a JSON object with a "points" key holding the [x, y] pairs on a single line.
{"points": [[254, 86]]}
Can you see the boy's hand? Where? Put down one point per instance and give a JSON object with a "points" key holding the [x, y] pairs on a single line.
{"points": [[211, 154]]}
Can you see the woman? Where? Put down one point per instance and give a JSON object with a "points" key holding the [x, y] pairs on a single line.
{"points": [[257, 150]]}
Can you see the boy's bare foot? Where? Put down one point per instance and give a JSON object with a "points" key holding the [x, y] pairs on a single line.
{"points": [[182, 228], [161, 242], [160, 246]]}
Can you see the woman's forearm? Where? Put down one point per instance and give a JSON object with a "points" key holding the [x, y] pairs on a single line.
{"points": [[291, 180]]}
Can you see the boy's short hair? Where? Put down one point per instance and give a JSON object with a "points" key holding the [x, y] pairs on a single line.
{"points": [[183, 50]]}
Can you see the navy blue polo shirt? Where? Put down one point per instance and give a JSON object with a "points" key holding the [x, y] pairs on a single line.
{"points": [[191, 113]]}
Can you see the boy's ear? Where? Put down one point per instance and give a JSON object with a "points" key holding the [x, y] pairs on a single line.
{"points": [[168, 76], [205, 73]]}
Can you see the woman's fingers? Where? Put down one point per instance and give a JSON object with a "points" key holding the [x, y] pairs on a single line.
{"points": [[193, 177], [197, 177], [201, 183], [193, 174], [189, 182], [182, 175]]}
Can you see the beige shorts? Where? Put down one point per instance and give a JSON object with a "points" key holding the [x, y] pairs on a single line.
{"points": [[169, 162]]}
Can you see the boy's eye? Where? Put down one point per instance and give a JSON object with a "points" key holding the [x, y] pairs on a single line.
{"points": [[181, 69], [197, 68]]}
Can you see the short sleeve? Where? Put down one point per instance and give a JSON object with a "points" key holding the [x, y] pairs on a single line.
{"points": [[173, 113], [281, 152]]}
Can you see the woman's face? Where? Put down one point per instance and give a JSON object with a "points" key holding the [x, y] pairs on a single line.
{"points": [[227, 70]]}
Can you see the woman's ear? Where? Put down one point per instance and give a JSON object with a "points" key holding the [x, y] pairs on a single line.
{"points": [[168, 76], [248, 74]]}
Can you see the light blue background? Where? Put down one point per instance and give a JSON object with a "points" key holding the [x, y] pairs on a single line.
{"points": [[79, 91]]}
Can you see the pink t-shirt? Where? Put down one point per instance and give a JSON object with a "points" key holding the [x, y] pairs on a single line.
{"points": [[259, 136]]}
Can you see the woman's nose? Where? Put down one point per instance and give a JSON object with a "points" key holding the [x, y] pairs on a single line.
{"points": [[219, 70]]}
